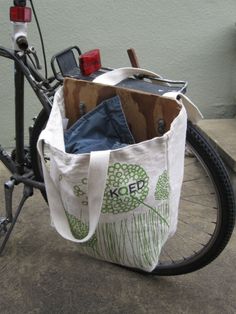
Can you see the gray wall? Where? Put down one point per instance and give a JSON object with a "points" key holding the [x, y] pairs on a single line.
{"points": [[189, 40]]}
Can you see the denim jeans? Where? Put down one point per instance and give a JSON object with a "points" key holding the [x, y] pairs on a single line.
{"points": [[103, 128]]}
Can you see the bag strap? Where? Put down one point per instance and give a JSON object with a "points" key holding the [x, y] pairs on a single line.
{"points": [[116, 76], [97, 174], [194, 114]]}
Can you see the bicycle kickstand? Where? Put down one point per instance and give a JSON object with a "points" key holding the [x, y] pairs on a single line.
{"points": [[11, 219]]}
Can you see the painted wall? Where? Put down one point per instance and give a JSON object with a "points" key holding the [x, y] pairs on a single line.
{"points": [[184, 39]]}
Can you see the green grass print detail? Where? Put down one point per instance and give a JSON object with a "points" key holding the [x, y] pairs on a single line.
{"points": [[155, 211], [80, 230], [135, 241]]}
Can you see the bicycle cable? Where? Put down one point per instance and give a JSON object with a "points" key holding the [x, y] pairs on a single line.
{"points": [[41, 39]]}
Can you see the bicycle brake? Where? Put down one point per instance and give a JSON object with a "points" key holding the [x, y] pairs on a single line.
{"points": [[31, 50]]}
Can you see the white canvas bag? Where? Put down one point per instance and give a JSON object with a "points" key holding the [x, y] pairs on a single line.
{"points": [[120, 205]]}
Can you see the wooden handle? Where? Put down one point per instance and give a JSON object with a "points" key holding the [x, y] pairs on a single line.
{"points": [[133, 58]]}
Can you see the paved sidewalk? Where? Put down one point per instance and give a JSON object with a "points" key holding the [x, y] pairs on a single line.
{"points": [[221, 133], [42, 273]]}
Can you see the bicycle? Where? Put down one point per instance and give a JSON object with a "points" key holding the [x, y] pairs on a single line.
{"points": [[205, 224]]}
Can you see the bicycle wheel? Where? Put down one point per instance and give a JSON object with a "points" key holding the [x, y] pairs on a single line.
{"points": [[206, 212]]}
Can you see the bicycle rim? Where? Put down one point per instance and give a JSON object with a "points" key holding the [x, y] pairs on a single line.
{"points": [[206, 212]]}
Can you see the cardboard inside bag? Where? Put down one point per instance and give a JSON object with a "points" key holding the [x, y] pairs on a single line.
{"points": [[144, 112]]}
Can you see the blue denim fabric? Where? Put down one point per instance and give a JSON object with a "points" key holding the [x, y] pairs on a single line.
{"points": [[103, 128]]}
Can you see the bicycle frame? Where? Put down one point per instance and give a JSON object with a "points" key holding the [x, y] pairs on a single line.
{"points": [[22, 71], [20, 173], [44, 90], [202, 161], [24, 67]]}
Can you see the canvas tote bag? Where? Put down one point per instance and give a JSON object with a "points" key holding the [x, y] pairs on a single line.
{"points": [[121, 205]]}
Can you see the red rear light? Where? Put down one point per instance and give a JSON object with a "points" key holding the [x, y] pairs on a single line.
{"points": [[90, 62], [20, 14]]}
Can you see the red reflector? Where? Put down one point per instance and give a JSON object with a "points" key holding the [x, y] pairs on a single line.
{"points": [[90, 62], [20, 14]]}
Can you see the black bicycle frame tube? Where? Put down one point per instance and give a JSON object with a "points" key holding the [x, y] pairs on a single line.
{"points": [[19, 117], [21, 71]]}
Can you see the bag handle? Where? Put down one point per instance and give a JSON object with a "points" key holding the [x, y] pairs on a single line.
{"points": [[98, 167], [194, 114], [116, 76]]}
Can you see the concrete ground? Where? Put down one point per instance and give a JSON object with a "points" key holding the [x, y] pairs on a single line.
{"points": [[42, 273], [222, 133]]}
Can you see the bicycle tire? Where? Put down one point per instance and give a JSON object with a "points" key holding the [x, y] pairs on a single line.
{"points": [[209, 164], [215, 169]]}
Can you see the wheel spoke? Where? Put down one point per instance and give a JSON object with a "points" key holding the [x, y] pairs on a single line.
{"points": [[198, 218]]}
